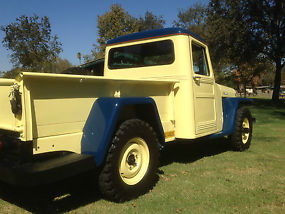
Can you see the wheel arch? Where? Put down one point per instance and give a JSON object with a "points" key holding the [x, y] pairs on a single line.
{"points": [[144, 111], [107, 114]]}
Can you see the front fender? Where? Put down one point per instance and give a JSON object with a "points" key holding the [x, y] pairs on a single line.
{"points": [[230, 107]]}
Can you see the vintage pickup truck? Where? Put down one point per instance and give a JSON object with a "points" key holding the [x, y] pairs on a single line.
{"points": [[157, 86]]}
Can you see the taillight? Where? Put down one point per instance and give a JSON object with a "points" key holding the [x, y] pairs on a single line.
{"points": [[1, 145]]}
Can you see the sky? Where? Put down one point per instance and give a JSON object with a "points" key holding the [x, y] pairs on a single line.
{"points": [[75, 21]]}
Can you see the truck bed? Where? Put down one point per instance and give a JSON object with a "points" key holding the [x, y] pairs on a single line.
{"points": [[55, 107]]}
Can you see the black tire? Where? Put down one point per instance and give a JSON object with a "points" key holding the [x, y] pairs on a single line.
{"points": [[131, 143], [241, 137]]}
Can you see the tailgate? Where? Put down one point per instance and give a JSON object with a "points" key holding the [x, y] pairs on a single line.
{"points": [[7, 118]]}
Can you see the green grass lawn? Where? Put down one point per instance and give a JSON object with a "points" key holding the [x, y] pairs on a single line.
{"points": [[195, 177]]}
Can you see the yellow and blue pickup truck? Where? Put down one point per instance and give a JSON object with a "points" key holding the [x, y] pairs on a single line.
{"points": [[157, 86]]}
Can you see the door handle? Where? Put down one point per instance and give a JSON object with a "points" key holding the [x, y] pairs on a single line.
{"points": [[197, 78]]}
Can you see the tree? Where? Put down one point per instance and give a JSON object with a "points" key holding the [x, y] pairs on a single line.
{"points": [[267, 77], [193, 19], [62, 64], [250, 74], [231, 34], [283, 76], [267, 22], [31, 42], [247, 30], [224, 75], [12, 73], [118, 22], [79, 57], [114, 23], [57, 66], [150, 21], [232, 42], [88, 58]]}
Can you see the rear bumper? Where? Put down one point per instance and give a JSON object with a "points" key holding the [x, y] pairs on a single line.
{"points": [[44, 170]]}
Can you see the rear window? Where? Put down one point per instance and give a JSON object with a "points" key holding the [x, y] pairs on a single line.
{"points": [[148, 54]]}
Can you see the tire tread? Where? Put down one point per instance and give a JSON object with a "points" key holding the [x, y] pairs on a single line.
{"points": [[107, 185], [235, 138]]}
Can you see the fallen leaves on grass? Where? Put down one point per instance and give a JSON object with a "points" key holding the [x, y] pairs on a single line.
{"points": [[179, 210]]}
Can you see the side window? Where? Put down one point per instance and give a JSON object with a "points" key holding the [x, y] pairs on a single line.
{"points": [[200, 64]]}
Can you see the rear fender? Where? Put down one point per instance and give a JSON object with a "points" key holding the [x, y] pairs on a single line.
{"points": [[103, 120]]}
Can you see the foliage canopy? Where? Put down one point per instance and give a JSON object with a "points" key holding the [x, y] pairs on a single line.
{"points": [[118, 22], [193, 19], [267, 23], [31, 42]]}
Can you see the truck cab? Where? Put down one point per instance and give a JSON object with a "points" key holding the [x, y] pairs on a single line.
{"points": [[173, 54]]}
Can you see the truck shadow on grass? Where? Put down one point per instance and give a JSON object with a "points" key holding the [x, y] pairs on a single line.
{"points": [[82, 190], [191, 151], [59, 197], [268, 104]]}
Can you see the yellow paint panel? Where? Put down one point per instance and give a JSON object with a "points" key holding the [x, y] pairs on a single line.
{"points": [[68, 142], [205, 109], [60, 116]]}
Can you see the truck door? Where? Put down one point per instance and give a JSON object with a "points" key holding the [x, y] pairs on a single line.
{"points": [[204, 91]]}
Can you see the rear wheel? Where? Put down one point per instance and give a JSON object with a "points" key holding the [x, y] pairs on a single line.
{"points": [[241, 137], [131, 166]]}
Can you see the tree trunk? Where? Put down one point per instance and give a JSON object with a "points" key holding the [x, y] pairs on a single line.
{"points": [[277, 82], [244, 92]]}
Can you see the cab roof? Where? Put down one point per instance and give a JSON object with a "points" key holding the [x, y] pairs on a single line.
{"points": [[153, 34]]}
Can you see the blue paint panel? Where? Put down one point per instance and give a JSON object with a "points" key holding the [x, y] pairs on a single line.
{"points": [[153, 33], [101, 124], [230, 107]]}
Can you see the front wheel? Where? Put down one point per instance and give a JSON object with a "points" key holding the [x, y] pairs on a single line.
{"points": [[131, 165], [241, 137]]}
